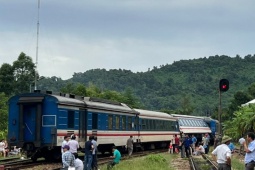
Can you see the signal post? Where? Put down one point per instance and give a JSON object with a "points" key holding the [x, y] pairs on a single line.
{"points": [[223, 87]]}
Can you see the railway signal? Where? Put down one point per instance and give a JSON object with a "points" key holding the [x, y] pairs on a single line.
{"points": [[224, 85]]}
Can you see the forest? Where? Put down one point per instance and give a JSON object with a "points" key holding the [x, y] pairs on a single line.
{"points": [[183, 87]]}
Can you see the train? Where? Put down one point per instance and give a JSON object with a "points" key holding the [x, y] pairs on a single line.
{"points": [[38, 122]]}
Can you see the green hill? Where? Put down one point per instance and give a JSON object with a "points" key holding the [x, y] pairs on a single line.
{"points": [[183, 84]]}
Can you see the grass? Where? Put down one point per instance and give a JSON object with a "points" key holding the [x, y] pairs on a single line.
{"points": [[237, 164], [150, 162]]}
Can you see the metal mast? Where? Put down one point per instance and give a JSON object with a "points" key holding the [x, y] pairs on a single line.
{"points": [[37, 43]]}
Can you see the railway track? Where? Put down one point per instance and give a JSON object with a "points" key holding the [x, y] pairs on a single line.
{"points": [[25, 164], [202, 164]]}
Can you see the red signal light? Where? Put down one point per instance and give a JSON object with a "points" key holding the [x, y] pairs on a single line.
{"points": [[224, 85]]}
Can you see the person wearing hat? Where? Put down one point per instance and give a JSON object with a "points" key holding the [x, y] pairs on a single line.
{"points": [[223, 154], [250, 151], [67, 158]]}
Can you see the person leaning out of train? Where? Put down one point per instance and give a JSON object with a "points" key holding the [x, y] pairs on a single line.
{"points": [[65, 141], [73, 144], [199, 150], [222, 154], [67, 158], [249, 158]]}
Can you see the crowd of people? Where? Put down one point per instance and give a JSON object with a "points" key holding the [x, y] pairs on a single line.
{"points": [[186, 145], [70, 156], [222, 152]]}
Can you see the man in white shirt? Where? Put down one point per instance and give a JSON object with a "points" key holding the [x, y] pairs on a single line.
{"points": [[66, 139], [73, 144], [223, 154], [241, 141]]}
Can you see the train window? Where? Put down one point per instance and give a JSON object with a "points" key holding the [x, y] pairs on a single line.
{"points": [[110, 122], [151, 124], [197, 123], [129, 123], [70, 119], [94, 120], [124, 122], [117, 118], [157, 125], [136, 123], [49, 120], [147, 124], [143, 124]]}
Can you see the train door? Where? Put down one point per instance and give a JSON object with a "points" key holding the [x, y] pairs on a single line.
{"points": [[29, 116], [94, 124], [83, 125]]}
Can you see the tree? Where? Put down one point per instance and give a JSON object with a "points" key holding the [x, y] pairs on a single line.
{"points": [[3, 115], [239, 99], [6, 79], [251, 90], [24, 73], [244, 121]]}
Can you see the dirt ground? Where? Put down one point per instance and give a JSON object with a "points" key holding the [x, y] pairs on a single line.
{"points": [[180, 163]]}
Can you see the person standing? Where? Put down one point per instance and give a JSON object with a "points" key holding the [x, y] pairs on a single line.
{"points": [[116, 158], [187, 142], [130, 146], [94, 153], [206, 143], [88, 154], [223, 154], [170, 147], [73, 144], [176, 144], [194, 141], [66, 139], [241, 149], [181, 148], [250, 151], [67, 158]]}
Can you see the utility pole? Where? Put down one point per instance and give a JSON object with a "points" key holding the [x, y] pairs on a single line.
{"points": [[37, 44]]}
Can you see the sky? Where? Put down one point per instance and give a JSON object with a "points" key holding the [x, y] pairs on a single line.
{"points": [[76, 36]]}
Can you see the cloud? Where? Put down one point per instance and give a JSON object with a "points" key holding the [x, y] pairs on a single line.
{"points": [[131, 34]]}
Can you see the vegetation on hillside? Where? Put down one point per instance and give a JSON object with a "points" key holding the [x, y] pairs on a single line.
{"points": [[184, 87]]}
